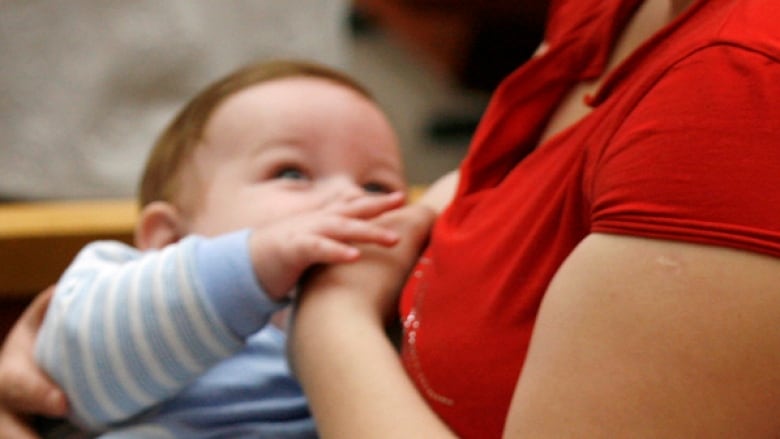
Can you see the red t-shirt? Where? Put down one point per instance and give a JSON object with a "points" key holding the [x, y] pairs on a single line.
{"points": [[683, 143]]}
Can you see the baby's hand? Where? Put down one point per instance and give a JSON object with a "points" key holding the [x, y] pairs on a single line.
{"points": [[282, 251]]}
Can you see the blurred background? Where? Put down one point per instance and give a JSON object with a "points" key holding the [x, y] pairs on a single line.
{"points": [[434, 64], [87, 84]]}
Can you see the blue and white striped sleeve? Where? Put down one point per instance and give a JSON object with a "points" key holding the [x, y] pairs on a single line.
{"points": [[127, 330]]}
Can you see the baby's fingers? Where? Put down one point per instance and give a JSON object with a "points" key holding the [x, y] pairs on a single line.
{"points": [[356, 230], [370, 206]]}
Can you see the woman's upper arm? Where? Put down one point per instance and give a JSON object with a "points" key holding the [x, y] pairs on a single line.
{"points": [[653, 338]]}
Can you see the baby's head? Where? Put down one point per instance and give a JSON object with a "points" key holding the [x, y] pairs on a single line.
{"points": [[266, 142]]}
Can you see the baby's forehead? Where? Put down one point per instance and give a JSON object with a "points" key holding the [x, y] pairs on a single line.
{"points": [[283, 99], [282, 109]]}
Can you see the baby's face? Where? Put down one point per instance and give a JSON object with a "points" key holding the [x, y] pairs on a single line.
{"points": [[289, 146]]}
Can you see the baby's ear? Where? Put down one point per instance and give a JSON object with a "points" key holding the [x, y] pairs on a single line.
{"points": [[159, 224]]}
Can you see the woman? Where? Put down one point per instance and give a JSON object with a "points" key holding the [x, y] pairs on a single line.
{"points": [[636, 233], [620, 200]]}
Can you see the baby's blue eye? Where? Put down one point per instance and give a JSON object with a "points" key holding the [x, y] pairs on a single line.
{"points": [[291, 174], [376, 188]]}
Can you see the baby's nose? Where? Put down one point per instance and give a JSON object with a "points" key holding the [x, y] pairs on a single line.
{"points": [[344, 189]]}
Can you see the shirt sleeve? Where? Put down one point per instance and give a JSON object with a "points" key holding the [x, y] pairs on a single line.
{"points": [[128, 329], [698, 159]]}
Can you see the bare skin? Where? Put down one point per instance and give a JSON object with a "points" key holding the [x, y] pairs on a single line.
{"points": [[25, 388]]}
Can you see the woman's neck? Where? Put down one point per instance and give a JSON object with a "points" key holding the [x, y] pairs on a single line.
{"points": [[651, 16]]}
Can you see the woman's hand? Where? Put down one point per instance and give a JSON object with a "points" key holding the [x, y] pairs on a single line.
{"points": [[24, 388]]}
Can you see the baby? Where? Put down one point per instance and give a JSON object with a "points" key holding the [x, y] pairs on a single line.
{"points": [[275, 168]]}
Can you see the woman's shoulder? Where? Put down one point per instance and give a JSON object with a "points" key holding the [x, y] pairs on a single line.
{"points": [[750, 24]]}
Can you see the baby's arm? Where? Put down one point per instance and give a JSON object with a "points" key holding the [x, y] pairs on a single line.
{"points": [[282, 251], [126, 330], [323, 341]]}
